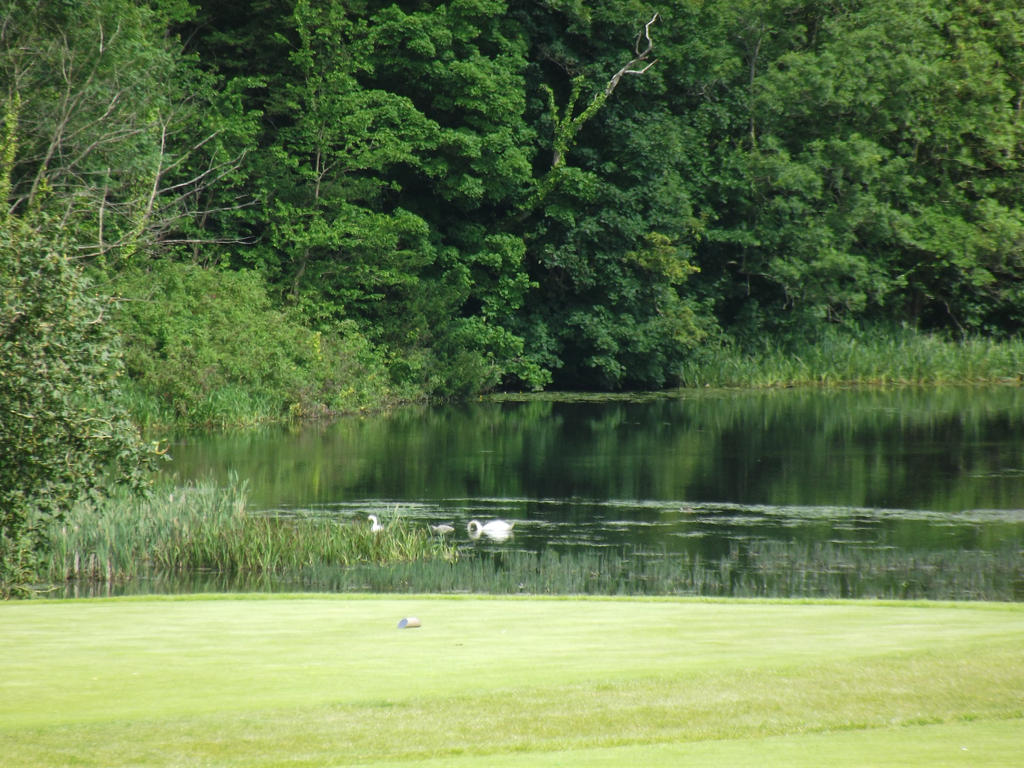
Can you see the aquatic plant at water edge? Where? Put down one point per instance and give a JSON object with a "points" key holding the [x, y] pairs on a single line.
{"points": [[896, 357], [758, 569], [763, 569], [206, 528]]}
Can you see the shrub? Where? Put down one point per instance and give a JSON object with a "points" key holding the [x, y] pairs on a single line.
{"points": [[63, 435], [206, 347]]}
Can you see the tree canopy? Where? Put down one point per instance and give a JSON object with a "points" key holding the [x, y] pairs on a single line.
{"points": [[499, 193]]}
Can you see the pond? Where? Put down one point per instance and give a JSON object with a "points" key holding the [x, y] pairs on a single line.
{"points": [[761, 492]]}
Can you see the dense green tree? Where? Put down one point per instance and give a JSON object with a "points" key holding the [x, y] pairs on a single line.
{"points": [[339, 238], [509, 193], [610, 236], [64, 433], [208, 348], [868, 166], [100, 167], [392, 141], [461, 63], [116, 138]]}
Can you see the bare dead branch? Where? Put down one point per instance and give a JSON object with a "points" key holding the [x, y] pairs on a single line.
{"points": [[213, 174], [567, 125], [643, 48]]}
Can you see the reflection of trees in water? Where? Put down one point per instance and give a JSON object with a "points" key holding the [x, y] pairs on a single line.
{"points": [[942, 449], [751, 569], [780, 493]]}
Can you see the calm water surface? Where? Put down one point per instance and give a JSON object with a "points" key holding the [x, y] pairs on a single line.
{"points": [[691, 472]]}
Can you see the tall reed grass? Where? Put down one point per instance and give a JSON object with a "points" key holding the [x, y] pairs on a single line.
{"points": [[758, 569], [904, 357], [228, 407], [205, 528], [200, 537]]}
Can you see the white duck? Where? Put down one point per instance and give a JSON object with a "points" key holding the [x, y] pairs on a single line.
{"points": [[442, 529], [499, 530], [375, 525]]}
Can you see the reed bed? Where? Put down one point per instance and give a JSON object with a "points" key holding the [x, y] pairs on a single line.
{"points": [[758, 569], [205, 528], [227, 407], [902, 358], [201, 538]]}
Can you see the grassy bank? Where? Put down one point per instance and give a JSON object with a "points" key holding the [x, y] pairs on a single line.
{"points": [[164, 397], [893, 358], [512, 682]]}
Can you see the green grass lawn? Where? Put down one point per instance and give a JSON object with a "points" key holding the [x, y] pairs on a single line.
{"points": [[326, 680]]}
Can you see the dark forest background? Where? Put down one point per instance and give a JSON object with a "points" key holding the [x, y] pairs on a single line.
{"points": [[318, 205]]}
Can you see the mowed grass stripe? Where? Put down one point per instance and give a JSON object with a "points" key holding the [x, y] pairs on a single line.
{"points": [[993, 744], [332, 681]]}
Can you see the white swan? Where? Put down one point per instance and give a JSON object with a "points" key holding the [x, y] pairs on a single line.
{"points": [[499, 530], [375, 525]]}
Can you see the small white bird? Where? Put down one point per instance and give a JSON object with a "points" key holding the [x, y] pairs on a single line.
{"points": [[375, 525], [499, 530], [442, 528]]}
